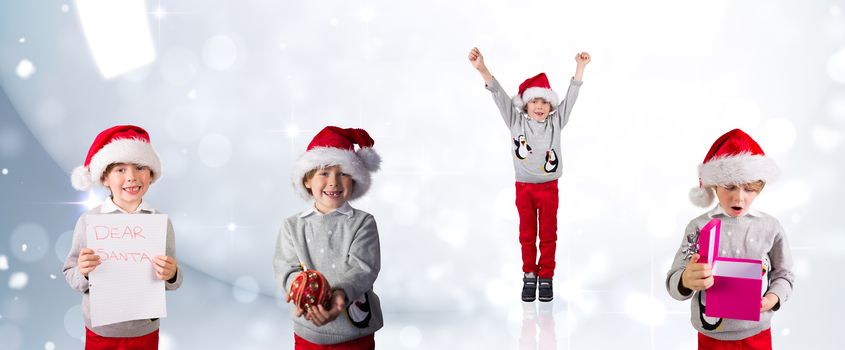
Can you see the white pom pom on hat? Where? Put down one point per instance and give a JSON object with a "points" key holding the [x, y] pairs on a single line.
{"points": [[80, 178]]}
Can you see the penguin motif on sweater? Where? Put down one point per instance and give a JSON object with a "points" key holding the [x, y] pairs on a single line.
{"points": [[521, 148], [551, 161]]}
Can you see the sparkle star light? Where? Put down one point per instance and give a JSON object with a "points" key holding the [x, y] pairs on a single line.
{"points": [[292, 132], [92, 201], [159, 13]]}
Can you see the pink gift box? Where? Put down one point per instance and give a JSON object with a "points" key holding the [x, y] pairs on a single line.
{"points": [[708, 241], [737, 283]]}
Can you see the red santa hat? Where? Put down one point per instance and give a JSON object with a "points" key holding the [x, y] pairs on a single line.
{"points": [[534, 87], [335, 146], [118, 144], [734, 159]]}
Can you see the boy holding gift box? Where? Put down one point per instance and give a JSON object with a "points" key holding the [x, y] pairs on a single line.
{"points": [[736, 169], [335, 239]]}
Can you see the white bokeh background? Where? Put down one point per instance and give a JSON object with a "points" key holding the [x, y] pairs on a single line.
{"points": [[238, 88]]}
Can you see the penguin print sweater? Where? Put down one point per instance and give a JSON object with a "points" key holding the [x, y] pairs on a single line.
{"points": [[535, 145]]}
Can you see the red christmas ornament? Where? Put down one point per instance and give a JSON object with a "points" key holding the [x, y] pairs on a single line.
{"points": [[309, 289]]}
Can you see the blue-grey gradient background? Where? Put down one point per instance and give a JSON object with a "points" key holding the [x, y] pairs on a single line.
{"points": [[238, 88]]}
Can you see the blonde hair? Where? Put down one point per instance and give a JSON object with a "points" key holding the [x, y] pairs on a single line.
{"points": [[754, 186], [308, 176]]}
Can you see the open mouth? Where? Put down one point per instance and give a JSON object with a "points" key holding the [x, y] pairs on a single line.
{"points": [[132, 190], [333, 194], [737, 208]]}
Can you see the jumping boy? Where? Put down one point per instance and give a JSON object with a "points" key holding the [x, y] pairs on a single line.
{"points": [[535, 118]]}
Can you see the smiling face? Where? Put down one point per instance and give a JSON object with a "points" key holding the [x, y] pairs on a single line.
{"points": [[128, 183], [538, 109], [736, 199], [330, 188]]}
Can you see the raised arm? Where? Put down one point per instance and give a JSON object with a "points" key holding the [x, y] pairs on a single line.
{"points": [[565, 107], [581, 60], [477, 61], [504, 102]]}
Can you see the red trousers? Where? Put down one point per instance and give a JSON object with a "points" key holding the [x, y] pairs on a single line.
{"points": [[759, 341], [367, 342], [537, 204], [97, 342]]}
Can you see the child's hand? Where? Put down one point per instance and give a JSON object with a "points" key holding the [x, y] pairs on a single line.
{"points": [[768, 302], [87, 261], [165, 267], [320, 316], [298, 312], [476, 59], [582, 58], [697, 276]]}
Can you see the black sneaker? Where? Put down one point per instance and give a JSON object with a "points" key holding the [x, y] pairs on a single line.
{"points": [[546, 293], [529, 288]]}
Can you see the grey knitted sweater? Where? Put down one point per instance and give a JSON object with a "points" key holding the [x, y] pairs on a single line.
{"points": [[344, 246], [536, 149], [755, 235]]}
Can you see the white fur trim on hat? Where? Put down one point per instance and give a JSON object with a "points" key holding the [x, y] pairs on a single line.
{"points": [[129, 151], [536, 92], [358, 167], [737, 169]]}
